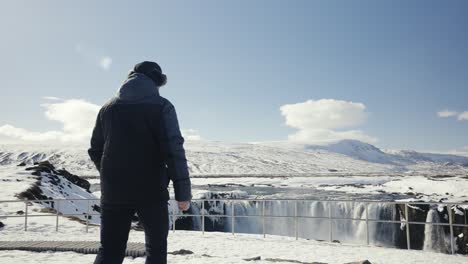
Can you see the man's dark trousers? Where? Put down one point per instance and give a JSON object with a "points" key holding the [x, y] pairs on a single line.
{"points": [[115, 227]]}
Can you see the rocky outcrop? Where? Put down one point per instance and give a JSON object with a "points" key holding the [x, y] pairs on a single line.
{"points": [[71, 192], [33, 193], [47, 167]]}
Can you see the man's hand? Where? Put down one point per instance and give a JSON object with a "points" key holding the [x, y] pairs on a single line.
{"points": [[184, 206]]}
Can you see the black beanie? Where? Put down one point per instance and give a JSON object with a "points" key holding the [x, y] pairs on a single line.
{"points": [[152, 70]]}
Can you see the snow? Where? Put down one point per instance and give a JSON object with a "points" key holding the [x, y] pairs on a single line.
{"points": [[349, 166], [207, 157], [225, 248], [358, 150], [367, 152], [360, 169], [210, 157], [451, 189], [14, 180]]}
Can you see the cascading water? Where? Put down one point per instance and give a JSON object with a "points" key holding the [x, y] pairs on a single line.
{"points": [[313, 223], [385, 234], [280, 220], [434, 235]]}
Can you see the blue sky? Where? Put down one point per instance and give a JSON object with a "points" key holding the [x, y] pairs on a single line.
{"points": [[232, 65]]}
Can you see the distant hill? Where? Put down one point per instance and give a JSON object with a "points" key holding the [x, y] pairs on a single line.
{"points": [[364, 151], [212, 157]]}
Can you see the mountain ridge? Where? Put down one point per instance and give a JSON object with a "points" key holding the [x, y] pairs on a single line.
{"points": [[214, 157]]}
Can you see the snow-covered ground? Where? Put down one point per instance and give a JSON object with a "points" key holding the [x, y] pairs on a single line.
{"points": [[225, 248], [348, 166], [347, 169]]}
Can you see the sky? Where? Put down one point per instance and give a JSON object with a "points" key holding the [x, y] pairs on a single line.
{"points": [[391, 73]]}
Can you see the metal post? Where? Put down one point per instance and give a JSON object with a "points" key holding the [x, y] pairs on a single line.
{"points": [[408, 241], [26, 217], [295, 221], [203, 217], [263, 219], [367, 223], [449, 209], [87, 217], [330, 221], [57, 217], [232, 217], [173, 218]]}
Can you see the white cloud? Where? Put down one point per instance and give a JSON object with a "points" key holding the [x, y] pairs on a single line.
{"points": [[25, 135], [52, 98], [463, 116], [76, 116], [446, 113], [191, 134], [323, 121], [105, 62]]}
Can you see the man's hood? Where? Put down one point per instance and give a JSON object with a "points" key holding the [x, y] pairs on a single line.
{"points": [[138, 86]]}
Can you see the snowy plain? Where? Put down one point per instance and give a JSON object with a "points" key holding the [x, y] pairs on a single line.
{"points": [[351, 168], [225, 248]]}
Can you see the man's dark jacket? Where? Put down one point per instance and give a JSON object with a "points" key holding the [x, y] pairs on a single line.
{"points": [[137, 146]]}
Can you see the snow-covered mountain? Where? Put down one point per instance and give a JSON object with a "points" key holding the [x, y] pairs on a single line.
{"points": [[367, 152], [358, 150], [210, 157]]}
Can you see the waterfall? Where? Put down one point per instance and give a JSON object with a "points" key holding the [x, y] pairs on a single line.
{"points": [[312, 221], [313, 228], [195, 210], [384, 234], [434, 236]]}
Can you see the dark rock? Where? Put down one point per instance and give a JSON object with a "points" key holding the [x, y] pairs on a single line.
{"points": [[75, 179], [22, 164], [181, 252], [292, 261], [20, 212], [33, 193], [417, 213], [47, 167], [36, 173], [43, 166], [360, 262], [96, 208], [2, 225], [253, 258]]}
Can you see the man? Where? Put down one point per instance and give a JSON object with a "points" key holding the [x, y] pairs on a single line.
{"points": [[137, 147]]}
